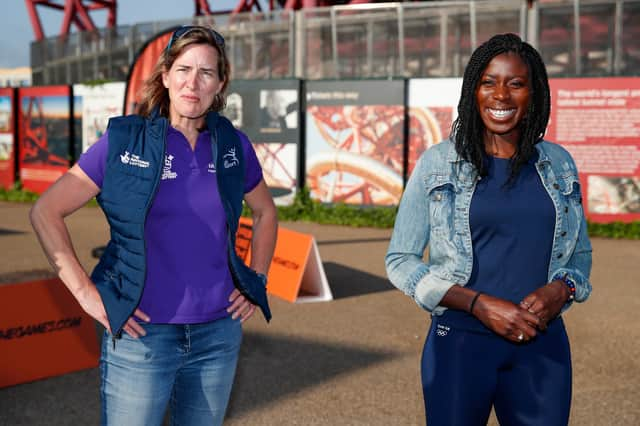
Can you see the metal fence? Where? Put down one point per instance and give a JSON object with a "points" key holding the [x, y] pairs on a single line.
{"points": [[430, 39]]}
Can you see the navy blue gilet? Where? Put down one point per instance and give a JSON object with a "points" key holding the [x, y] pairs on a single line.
{"points": [[137, 147]]}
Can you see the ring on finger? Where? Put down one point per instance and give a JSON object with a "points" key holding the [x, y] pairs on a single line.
{"points": [[521, 336]]}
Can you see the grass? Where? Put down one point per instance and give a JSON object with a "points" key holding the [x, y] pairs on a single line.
{"points": [[307, 210]]}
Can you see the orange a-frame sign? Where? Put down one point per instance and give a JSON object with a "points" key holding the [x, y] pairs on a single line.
{"points": [[43, 332], [296, 273]]}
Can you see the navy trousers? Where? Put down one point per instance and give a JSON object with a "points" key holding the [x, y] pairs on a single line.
{"points": [[465, 373]]}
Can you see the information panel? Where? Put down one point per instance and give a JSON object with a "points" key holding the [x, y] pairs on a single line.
{"points": [[355, 141], [432, 109], [93, 107], [7, 140], [268, 111], [598, 121], [44, 135]]}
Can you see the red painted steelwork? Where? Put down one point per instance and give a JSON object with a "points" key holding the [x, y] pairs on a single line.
{"points": [[75, 11], [202, 8]]}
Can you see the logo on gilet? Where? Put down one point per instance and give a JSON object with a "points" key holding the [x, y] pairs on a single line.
{"points": [[230, 158], [133, 160]]}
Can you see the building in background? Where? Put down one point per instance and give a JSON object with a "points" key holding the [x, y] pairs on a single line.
{"points": [[577, 38], [15, 77]]}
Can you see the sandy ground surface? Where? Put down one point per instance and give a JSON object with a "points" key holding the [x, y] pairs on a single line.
{"points": [[354, 360]]}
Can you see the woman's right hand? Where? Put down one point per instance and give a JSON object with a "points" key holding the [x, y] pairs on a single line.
{"points": [[91, 302], [506, 318]]}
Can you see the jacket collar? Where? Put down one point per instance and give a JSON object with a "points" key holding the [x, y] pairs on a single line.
{"points": [[453, 157], [543, 155]]}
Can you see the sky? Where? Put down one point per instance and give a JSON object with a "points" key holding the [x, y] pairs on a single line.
{"points": [[16, 33]]}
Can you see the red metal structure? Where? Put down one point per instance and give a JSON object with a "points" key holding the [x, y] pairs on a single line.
{"points": [[77, 11], [35, 145], [202, 8]]}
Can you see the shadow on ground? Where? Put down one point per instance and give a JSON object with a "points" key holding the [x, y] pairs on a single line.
{"points": [[353, 241], [5, 231], [272, 367], [349, 282]]}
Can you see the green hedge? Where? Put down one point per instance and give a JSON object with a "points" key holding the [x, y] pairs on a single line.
{"points": [[619, 230], [16, 193], [307, 210]]}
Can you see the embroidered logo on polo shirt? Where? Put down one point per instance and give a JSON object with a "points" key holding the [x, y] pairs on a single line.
{"points": [[211, 168], [442, 330], [230, 158], [167, 173], [133, 160]]}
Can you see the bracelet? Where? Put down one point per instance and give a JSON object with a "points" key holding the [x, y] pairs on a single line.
{"points": [[571, 285], [473, 301]]}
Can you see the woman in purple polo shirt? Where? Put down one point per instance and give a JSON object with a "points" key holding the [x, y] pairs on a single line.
{"points": [[181, 344]]}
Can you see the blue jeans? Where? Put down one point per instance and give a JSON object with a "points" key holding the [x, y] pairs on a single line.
{"points": [[189, 366]]}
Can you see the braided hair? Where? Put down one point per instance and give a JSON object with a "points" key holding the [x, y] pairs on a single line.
{"points": [[468, 129]]}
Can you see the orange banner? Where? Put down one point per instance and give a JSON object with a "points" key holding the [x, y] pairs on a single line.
{"points": [[142, 67], [43, 332]]}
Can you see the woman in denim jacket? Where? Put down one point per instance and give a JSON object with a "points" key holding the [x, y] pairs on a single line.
{"points": [[501, 212]]}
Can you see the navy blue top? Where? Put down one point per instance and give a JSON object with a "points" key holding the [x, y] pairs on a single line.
{"points": [[512, 235]]}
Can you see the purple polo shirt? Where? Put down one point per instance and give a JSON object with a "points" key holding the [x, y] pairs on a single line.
{"points": [[188, 279]]}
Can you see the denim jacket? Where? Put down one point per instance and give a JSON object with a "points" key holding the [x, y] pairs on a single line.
{"points": [[434, 211]]}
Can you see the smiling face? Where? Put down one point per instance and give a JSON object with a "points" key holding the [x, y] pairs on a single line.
{"points": [[192, 81], [502, 96]]}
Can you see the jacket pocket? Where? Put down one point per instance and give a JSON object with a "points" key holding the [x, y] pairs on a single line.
{"points": [[571, 210], [441, 193], [569, 184], [113, 279], [571, 191]]}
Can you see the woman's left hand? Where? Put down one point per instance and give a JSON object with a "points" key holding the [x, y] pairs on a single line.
{"points": [[546, 302], [240, 306]]}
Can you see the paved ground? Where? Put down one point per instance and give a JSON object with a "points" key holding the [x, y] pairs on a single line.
{"points": [[352, 361]]}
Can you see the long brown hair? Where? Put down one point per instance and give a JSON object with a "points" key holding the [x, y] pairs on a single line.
{"points": [[155, 95]]}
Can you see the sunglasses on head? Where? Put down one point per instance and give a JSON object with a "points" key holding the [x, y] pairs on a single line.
{"points": [[186, 29]]}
